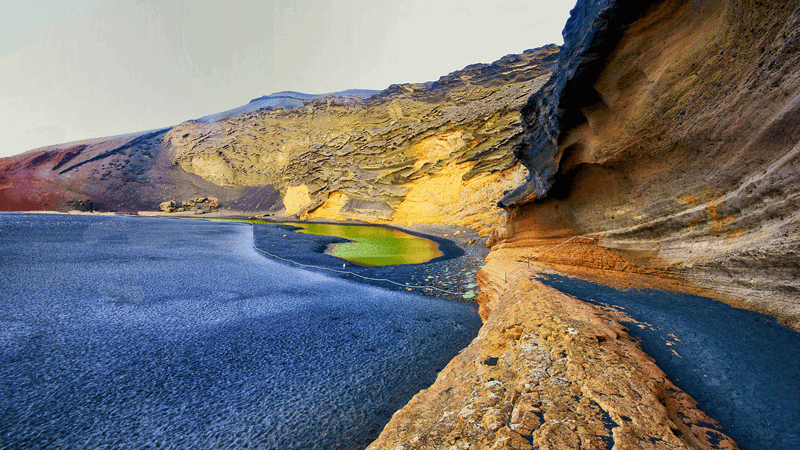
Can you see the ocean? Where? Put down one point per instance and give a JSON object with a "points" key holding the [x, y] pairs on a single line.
{"points": [[126, 332]]}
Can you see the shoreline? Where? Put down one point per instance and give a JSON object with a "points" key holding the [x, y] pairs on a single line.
{"points": [[452, 275], [547, 369], [455, 271], [522, 313]]}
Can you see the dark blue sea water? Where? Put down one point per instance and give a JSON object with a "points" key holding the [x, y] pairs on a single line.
{"points": [[123, 332]]}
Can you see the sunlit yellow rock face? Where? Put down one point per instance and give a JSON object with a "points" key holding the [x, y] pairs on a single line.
{"points": [[445, 195], [432, 152], [437, 147], [296, 198], [331, 208]]}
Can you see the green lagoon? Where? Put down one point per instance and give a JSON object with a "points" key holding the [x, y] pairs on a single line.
{"points": [[370, 245]]}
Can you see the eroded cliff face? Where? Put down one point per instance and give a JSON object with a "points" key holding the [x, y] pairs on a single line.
{"points": [[413, 153], [668, 133], [672, 135], [434, 152]]}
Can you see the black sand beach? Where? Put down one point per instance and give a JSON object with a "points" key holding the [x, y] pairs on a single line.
{"points": [[741, 367], [452, 275]]}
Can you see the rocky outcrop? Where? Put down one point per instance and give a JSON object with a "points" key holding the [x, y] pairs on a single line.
{"points": [[82, 205], [168, 206], [668, 135], [418, 152], [671, 134], [198, 205], [550, 372]]}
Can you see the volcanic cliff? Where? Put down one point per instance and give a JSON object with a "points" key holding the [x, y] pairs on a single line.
{"points": [[430, 152], [670, 132]]}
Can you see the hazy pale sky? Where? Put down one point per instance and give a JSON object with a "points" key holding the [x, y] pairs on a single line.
{"points": [[72, 70]]}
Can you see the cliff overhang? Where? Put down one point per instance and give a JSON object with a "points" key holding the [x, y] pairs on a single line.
{"points": [[669, 131]]}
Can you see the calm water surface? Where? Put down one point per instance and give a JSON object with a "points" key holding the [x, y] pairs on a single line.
{"points": [[368, 245], [159, 333], [376, 246]]}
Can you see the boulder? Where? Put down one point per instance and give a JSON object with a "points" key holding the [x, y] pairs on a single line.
{"points": [[168, 206], [83, 205]]}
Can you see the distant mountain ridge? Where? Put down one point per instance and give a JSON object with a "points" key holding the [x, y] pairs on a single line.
{"points": [[286, 100]]}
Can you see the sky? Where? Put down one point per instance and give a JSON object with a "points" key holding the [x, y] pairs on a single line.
{"points": [[72, 70]]}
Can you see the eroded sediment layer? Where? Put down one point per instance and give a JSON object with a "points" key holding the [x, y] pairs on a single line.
{"points": [[413, 153]]}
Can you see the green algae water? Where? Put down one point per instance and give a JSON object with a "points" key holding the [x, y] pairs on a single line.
{"points": [[369, 245], [375, 246]]}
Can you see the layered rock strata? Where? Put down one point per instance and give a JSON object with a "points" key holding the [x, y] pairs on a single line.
{"points": [[671, 133], [428, 152], [413, 153]]}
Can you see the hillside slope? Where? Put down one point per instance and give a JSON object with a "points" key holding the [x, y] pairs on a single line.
{"points": [[431, 152]]}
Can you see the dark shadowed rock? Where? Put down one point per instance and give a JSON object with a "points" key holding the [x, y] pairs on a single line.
{"points": [[590, 35]]}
